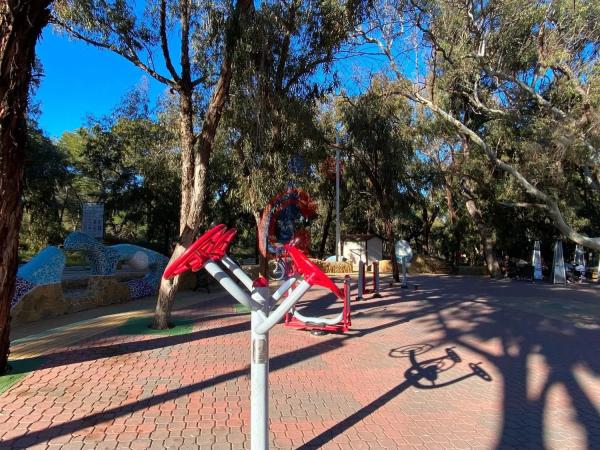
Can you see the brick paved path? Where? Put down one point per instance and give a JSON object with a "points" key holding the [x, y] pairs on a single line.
{"points": [[445, 366]]}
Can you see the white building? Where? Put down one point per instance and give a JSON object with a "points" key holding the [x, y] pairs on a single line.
{"points": [[362, 247]]}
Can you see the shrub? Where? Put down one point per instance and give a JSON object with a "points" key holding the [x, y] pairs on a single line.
{"points": [[333, 267]]}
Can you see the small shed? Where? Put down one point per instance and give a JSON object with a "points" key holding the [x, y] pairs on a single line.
{"points": [[362, 247]]}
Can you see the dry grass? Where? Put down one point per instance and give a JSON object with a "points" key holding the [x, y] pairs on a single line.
{"points": [[333, 267], [420, 264]]}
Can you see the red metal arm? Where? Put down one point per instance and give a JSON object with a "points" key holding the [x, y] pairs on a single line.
{"points": [[197, 254], [225, 240], [311, 272]]}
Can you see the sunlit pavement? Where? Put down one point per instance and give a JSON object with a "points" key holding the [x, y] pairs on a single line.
{"points": [[461, 362]]}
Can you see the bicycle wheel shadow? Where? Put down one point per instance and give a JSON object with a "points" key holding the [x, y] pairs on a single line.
{"points": [[421, 375]]}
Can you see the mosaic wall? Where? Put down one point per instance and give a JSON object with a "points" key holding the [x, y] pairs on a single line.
{"points": [[140, 258], [47, 266], [44, 268], [104, 260], [22, 287]]}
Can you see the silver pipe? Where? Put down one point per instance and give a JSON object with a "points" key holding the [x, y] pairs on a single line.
{"points": [[231, 286], [283, 308], [238, 272]]}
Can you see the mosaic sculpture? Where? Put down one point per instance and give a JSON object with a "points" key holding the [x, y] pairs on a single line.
{"points": [[44, 268], [104, 261]]}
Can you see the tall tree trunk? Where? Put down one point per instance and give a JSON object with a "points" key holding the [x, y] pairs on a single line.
{"points": [[168, 288], [326, 226], [487, 239], [263, 254], [388, 226], [196, 155], [21, 23], [453, 216]]}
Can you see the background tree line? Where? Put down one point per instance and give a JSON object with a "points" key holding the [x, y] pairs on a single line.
{"points": [[473, 133]]}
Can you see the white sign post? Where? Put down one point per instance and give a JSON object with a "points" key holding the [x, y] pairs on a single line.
{"points": [[92, 219], [404, 256], [559, 275], [580, 262], [537, 261]]}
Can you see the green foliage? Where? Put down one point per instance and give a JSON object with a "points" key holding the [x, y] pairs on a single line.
{"points": [[521, 76], [46, 188], [128, 161]]}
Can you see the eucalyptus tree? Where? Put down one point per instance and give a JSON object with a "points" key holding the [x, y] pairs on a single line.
{"points": [[206, 35], [288, 59], [376, 132], [517, 81], [21, 23]]}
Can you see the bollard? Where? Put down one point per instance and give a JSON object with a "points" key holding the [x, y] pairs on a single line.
{"points": [[347, 297], [376, 293], [361, 280]]}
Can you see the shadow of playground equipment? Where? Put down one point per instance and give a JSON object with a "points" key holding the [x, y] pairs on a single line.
{"points": [[422, 375], [505, 339]]}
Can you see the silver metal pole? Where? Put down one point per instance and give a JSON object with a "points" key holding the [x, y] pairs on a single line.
{"points": [[338, 250], [361, 280], [404, 283], [231, 286], [376, 293], [259, 381]]}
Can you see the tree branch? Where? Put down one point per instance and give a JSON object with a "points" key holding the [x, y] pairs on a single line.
{"points": [[550, 204], [163, 41], [185, 43], [523, 205], [524, 86], [131, 56]]}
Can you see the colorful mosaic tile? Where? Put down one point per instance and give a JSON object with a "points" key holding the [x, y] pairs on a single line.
{"points": [[104, 261]]}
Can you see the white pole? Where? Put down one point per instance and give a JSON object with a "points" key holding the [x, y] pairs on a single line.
{"points": [[259, 378], [337, 205], [404, 283], [259, 387]]}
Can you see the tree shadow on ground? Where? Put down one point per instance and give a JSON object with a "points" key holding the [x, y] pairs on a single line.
{"points": [[83, 354], [420, 374], [563, 349], [333, 342]]}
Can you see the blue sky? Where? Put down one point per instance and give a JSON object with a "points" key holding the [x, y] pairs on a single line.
{"points": [[80, 80]]}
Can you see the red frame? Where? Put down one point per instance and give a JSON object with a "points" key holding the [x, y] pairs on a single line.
{"points": [[313, 275]]}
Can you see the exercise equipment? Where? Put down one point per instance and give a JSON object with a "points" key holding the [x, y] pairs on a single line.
{"points": [[536, 261], [404, 255], [559, 275], [210, 252], [311, 272]]}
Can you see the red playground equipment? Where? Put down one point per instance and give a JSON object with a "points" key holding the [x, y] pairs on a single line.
{"points": [[314, 276], [210, 252]]}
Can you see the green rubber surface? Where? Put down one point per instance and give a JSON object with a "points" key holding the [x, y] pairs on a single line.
{"points": [[141, 325]]}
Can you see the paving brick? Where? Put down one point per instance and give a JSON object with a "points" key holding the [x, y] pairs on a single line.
{"points": [[359, 390]]}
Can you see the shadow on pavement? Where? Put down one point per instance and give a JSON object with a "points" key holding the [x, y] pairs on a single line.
{"points": [[276, 363], [422, 375]]}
